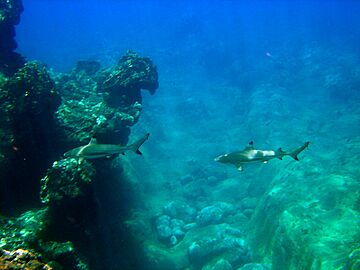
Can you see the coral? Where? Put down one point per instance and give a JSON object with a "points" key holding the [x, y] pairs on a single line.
{"points": [[132, 73], [63, 253], [218, 242], [10, 11], [28, 100], [23, 231], [28, 231], [254, 266], [65, 180], [21, 259], [180, 210], [353, 260], [169, 231], [214, 214], [87, 112], [296, 229], [32, 91], [218, 265]]}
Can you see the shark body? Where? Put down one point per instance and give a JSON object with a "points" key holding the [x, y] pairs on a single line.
{"points": [[252, 155], [94, 150]]}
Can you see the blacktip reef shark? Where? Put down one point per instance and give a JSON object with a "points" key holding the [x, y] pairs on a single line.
{"points": [[94, 150], [252, 155]]}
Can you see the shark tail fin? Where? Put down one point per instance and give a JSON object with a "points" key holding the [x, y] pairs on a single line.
{"points": [[136, 145], [294, 153]]}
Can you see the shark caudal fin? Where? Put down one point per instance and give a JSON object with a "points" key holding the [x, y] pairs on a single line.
{"points": [[294, 153], [136, 145]]}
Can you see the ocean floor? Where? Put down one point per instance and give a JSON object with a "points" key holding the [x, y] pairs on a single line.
{"points": [[282, 215]]}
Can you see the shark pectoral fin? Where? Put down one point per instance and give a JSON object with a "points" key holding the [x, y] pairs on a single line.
{"points": [[81, 160], [239, 167], [265, 161]]}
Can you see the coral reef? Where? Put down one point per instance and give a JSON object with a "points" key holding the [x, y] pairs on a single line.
{"points": [[42, 117], [132, 73], [10, 11], [67, 179], [21, 259], [23, 231], [105, 102], [27, 232], [28, 101]]}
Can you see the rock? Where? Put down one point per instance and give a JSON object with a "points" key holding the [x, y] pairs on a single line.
{"points": [[214, 214], [22, 259], [216, 242], [186, 179], [105, 102], [66, 179], [353, 260], [219, 265], [189, 226], [23, 231], [233, 249], [248, 212], [180, 210], [132, 73], [212, 180], [28, 101], [163, 229], [10, 11], [83, 104], [169, 231], [177, 223], [178, 233], [254, 266], [63, 254], [249, 203], [173, 240]]}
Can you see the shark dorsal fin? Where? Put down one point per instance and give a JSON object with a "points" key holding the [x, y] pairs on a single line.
{"points": [[93, 141], [250, 146]]}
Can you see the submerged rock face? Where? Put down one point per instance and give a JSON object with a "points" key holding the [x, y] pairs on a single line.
{"points": [[67, 179], [28, 100], [22, 259], [105, 102], [131, 74], [311, 230], [40, 119], [10, 11]]}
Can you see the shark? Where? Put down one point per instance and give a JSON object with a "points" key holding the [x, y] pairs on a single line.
{"points": [[252, 155], [94, 150]]}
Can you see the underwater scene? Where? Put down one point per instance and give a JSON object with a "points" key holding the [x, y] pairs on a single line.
{"points": [[180, 135]]}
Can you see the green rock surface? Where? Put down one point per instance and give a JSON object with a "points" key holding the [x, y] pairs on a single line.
{"points": [[66, 179]]}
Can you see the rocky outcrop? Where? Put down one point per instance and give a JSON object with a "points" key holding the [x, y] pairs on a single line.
{"points": [[28, 101], [10, 11]]}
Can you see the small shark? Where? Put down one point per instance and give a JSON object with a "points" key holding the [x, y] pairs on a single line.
{"points": [[94, 150], [252, 155]]}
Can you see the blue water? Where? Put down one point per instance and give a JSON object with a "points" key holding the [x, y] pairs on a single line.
{"points": [[278, 73]]}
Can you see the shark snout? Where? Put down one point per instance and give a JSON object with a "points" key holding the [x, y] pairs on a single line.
{"points": [[220, 158]]}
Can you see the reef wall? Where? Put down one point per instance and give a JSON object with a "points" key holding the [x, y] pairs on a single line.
{"points": [[10, 12], [56, 212]]}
